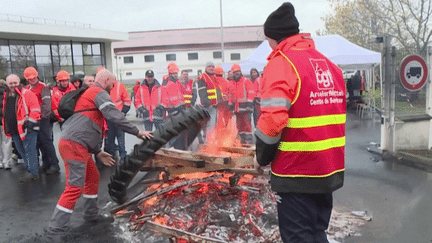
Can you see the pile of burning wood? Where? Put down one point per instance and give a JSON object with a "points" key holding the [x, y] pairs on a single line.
{"points": [[205, 207], [214, 195]]}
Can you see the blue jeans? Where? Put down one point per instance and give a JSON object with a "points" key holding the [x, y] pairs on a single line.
{"points": [[27, 150], [113, 133], [46, 145]]}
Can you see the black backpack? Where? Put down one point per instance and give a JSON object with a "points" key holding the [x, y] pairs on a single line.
{"points": [[67, 103]]}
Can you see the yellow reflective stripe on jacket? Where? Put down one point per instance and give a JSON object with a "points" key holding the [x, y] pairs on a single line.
{"points": [[211, 93], [315, 176], [312, 146], [187, 96], [317, 121]]}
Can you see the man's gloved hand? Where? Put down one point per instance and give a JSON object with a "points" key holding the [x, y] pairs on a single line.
{"points": [[140, 112], [265, 153], [231, 107]]}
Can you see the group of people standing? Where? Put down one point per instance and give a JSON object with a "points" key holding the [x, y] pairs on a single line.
{"points": [[29, 112], [224, 98]]}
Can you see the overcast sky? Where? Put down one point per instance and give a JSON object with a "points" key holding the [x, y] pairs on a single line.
{"points": [[141, 15]]}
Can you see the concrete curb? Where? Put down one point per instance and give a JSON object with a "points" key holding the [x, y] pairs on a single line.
{"points": [[410, 159]]}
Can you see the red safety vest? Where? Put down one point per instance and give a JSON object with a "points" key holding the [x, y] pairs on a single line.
{"points": [[313, 143], [214, 92], [187, 92]]}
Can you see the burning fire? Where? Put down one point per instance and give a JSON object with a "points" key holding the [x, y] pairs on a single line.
{"points": [[205, 207], [223, 135]]}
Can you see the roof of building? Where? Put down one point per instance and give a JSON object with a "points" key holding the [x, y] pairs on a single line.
{"points": [[192, 36], [37, 30]]}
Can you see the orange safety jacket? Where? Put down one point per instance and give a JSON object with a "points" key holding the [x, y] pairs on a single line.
{"points": [[242, 94], [256, 84], [171, 94], [120, 96], [150, 100], [224, 86], [27, 110], [56, 96], [310, 155], [187, 92]]}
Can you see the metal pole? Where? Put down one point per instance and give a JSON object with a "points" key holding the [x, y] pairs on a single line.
{"points": [[387, 117], [222, 34], [393, 98]]}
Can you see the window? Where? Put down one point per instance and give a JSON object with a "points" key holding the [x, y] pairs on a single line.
{"points": [[149, 58], [128, 59], [170, 57], [235, 56], [193, 56], [128, 73], [217, 54]]}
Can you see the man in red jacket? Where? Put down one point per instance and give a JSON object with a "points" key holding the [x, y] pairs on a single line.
{"points": [[63, 87], [81, 137], [242, 94], [45, 143], [21, 118], [186, 85], [301, 130], [148, 102]]}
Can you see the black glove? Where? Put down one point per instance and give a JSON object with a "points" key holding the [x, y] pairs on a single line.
{"points": [[265, 153], [140, 112], [125, 109], [231, 107]]}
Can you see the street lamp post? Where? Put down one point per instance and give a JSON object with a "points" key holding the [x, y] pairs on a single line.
{"points": [[222, 34]]}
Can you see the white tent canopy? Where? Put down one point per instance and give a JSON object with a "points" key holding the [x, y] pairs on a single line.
{"points": [[345, 54]]}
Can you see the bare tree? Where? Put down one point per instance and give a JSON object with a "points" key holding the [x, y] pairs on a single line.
{"points": [[408, 21]]}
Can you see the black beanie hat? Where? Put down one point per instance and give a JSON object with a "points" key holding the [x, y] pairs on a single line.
{"points": [[282, 23]]}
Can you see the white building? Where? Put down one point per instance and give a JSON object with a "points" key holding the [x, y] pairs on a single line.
{"points": [[190, 49], [51, 45]]}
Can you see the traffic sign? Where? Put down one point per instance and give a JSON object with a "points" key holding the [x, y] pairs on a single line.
{"points": [[413, 72]]}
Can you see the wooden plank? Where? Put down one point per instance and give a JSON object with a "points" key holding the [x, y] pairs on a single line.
{"points": [[222, 160], [162, 158], [240, 150], [196, 155], [242, 161], [177, 170], [182, 234]]}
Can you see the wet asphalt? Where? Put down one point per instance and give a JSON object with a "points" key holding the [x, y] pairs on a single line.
{"points": [[397, 197]]}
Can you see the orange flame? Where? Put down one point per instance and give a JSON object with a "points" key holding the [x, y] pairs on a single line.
{"points": [[195, 175], [160, 220], [152, 201], [223, 135]]}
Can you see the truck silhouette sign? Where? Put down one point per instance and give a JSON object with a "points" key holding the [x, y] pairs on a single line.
{"points": [[414, 71]]}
